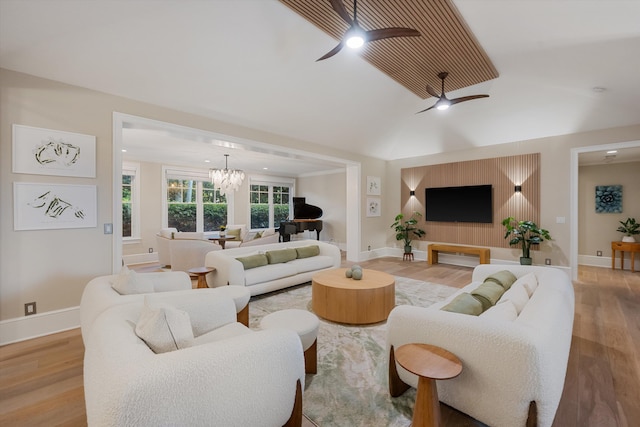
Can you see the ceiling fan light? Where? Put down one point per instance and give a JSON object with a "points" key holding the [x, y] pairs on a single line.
{"points": [[355, 38], [443, 105]]}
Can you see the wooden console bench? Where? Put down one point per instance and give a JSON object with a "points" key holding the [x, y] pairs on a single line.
{"points": [[484, 253]]}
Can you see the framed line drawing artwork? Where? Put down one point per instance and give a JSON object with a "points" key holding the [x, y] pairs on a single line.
{"points": [[41, 151], [373, 206], [40, 206], [373, 185]]}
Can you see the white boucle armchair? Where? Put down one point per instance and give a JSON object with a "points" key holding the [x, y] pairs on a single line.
{"points": [[513, 370], [240, 378]]}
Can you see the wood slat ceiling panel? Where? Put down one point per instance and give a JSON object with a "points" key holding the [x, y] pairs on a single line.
{"points": [[446, 43]]}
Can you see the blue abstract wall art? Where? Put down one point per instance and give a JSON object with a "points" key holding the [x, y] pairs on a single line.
{"points": [[608, 198]]}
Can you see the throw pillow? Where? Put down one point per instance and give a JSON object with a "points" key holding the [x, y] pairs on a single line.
{"points": [[308, 251], [530, 282], [504, 278], [464, 303], [269, 232], [517, 295], [250, 236], [258, 235], [488, 294], [128, 283], [253, 261], [282, 255], [504, 311], [164, 328]]}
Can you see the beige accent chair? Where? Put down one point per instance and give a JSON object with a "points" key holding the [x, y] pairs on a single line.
{"points": [[190, 253], [163, 238]]}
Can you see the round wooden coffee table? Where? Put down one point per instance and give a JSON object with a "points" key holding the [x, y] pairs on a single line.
{"points": [[357, 302], [429, 363]]}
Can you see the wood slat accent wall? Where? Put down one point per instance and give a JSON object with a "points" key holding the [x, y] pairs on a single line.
{"points": [[503, 173]]}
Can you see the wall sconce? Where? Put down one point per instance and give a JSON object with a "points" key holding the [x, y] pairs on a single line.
{"points": [[518, 188], [412, 192]]}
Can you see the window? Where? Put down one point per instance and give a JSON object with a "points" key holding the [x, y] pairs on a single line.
{"points": [[269, 203], [130, 201], [193, 204]]}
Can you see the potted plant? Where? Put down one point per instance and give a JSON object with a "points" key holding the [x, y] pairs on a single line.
{"points": [[629, 228], [525, 233], [406, 230], [222, 230]]}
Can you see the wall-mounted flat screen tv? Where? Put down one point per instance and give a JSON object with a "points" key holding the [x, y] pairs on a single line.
{"points": [[471, 203]]}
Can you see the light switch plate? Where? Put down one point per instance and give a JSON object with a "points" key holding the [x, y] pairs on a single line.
{"points": [[108, 228]]}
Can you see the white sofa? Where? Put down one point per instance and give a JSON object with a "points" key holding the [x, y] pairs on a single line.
{"points": [[227, 376], [248, 238], [271, 277], [513, 370], [99, 295]]}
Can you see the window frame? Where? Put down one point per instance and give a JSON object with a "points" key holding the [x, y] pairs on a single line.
{"points": [[193, 174], [133, 169], [270, 181]]}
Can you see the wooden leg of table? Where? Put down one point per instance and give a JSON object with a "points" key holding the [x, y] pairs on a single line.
{"points": [[433, 256], [426, 412], [613, 259], [633, 262], [621, 260], [202, 281]]}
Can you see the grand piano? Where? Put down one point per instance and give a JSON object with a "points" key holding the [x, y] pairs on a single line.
{"points": [[305, 217]]}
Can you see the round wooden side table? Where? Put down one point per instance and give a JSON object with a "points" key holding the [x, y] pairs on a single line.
{"points": [[201, 272], [429, 363]]}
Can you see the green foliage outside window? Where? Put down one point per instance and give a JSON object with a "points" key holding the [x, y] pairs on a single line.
{"points": [[215, 215], [126, 205], [182, 216]]}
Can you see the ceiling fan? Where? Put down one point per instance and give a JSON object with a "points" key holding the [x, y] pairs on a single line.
{"points": [[443, 102], [355, 36]]}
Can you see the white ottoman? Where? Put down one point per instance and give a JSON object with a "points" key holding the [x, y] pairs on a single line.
{"points": [[306, 326], [240, 296]]}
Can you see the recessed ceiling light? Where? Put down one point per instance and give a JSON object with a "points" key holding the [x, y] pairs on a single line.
{"points": [[612, 151], [265, 168], [207, 161], [124, 151]]}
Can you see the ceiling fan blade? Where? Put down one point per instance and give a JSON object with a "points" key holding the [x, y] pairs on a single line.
{"points": [[466, 98], [385, 33], [338, 6], [432, 92], [426, 109], [332, 52]]}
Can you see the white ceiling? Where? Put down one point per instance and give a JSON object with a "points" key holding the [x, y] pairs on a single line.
{"points": [[252, 62]]}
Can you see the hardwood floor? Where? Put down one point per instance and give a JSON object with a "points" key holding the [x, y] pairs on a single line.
{"points": [[41, 379]]}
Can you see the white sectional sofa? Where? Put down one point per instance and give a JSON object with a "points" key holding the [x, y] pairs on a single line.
{"points": [[514, 356], [99, 294], [270, 276], [224, 375]]}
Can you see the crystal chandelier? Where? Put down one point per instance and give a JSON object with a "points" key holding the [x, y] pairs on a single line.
{"points": [[226, 180]]}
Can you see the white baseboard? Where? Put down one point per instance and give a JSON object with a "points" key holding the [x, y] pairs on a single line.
{"points": [[596, 261], [38, 325], [140, 258]]}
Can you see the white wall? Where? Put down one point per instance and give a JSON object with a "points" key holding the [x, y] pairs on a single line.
{"points": [[328, 192], [598, 230], [52, 267], [555, 183]]}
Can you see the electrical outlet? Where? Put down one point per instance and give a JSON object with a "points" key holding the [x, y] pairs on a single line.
{"points": [[598, 253], [30, 308], [547, 261], [108, 228], [150, 250]]}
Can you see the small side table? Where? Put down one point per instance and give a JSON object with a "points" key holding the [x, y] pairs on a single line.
{"points": [[222, 240], [407, 256], [201, 272], [430, 363], [623, 247]]}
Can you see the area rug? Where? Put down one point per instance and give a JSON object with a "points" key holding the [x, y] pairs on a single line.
{"points": [[351, 386]]}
